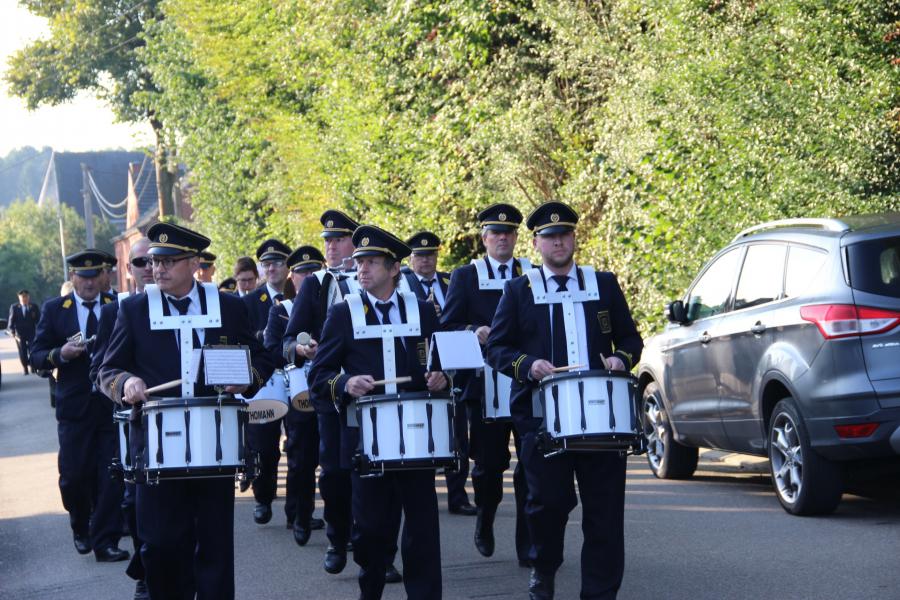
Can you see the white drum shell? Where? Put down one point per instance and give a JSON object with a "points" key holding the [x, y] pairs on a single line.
{"points": [[202, 437], [414, 429], [503, 392], [299, 388], [275, 389], [122, 418], [596, 406]]}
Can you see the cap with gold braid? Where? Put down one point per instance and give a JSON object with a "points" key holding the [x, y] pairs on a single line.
{"points": [[551, 218], [168, 239], [89, 262], [337, 224], [305, 258], [373, 241], [424, 242], [229, 286], [272, 249], [500, 217], [207, 259]]}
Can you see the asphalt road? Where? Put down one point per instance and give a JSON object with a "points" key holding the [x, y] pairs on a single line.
{"points": [[721, 535]]}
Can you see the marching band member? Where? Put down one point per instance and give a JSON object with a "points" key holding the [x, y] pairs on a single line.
{"points": [[301, 428], [141, 271], [471, 307], [245, 275], [228, 286], [187, 526], [345, 368], [263, 438], [207, 269], [317, 294], [430, 284], [87, 437], [527, 341]]}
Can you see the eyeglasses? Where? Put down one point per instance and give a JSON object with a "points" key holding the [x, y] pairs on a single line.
{"points": [[272, 263], [168, 263], [141, 262]]}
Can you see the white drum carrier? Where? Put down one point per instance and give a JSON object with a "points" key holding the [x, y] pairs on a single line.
{"points": [[583, 410], [400, 431]]}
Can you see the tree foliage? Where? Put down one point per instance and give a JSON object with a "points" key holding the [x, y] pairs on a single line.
{"points": [[668, 125]]}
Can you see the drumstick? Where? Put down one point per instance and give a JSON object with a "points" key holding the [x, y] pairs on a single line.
{"points": [[567, 368], [164, 386], [388, 381]]}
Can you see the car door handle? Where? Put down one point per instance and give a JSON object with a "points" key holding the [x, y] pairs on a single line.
{"points": [[758, 328], [705, 338]]}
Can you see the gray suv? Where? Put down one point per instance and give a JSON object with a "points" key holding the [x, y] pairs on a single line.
{"points": [[786, 345]]}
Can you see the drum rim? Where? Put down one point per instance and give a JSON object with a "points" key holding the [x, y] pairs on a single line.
{"points": [[556, 377], [188, 402], [380, 398]]}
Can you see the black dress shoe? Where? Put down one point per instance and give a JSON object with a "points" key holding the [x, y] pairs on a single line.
{"points": [[540, 586], [484, 533], [335, 560], [316, 523], [111, 554], [140, 591], [464, 509], [262, 514], [301, 534], [392, 575], [82, 544], [244, 485]]}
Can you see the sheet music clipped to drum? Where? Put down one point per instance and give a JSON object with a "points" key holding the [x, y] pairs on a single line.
{"points": [[227, 365]]}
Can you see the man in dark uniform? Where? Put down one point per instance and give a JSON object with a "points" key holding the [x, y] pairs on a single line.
{"points": [[141, 271], [87, 437], [300, 427], [526, 343], [187, 526], [264, 437], [346, 368], [471, 307], [316, 295], [432, 285], [207, 269], [228, 286], [23, 317]]}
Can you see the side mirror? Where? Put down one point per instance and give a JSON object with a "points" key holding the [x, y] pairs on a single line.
{"points": [[675, 312]]}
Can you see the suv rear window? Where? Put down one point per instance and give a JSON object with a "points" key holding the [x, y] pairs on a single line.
{"points": [[875, 266]]}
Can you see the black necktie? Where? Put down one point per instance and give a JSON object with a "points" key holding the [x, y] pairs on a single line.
{"points": [[503, 269], [90, 329], [560, 357], [181, 305], [400, 364], [427, 283], [279, 297]]}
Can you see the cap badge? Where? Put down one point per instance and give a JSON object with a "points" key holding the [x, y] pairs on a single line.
{"points": [[164, 238], [364, 242], [424, 242], [554, 217], [329, 223], [89, 263], [502, 216], [270, 249], [306, 257]]}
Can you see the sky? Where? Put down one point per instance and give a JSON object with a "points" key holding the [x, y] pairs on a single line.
{"points": [[85, 123]]}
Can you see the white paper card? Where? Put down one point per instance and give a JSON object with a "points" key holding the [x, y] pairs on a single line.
{"points": [[227, 365], [458, 350]]}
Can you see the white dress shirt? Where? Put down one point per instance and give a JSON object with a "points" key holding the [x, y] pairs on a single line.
{"points": [[436, 286], [495, 265], [82, 312]]}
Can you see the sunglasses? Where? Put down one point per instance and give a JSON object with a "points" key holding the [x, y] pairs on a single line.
{"points": [[141, 262]]}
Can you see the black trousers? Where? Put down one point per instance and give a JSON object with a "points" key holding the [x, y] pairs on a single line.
{"points": [[456, 480], [90, 496], [24, 346], [263, 438], [490, 450], [188, 531], [334, 481], [551, 497], [302, 450], [420, 547], [135, 568]]}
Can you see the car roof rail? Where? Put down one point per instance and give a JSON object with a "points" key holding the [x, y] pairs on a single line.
{"points": [[824, 224]]}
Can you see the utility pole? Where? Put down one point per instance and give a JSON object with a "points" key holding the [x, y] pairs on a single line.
{"points": [[88, 206]]}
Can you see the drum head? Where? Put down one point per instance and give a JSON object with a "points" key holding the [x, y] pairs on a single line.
{"points": [[266, 411]]}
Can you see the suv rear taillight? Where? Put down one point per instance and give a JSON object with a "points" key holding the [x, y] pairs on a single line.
{"points": [[848, 320]]}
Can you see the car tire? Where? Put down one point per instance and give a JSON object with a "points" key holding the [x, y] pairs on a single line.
{"points": [[805, 482], [667, 458]]}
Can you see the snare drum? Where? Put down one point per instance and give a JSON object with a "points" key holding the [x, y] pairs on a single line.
{"points": [[497, 391], [589, 411], [271, 401], [298, 387], [123, 464], [405, 431], [193, 438]]}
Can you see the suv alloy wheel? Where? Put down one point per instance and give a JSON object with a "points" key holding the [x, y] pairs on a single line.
{"points": [[667, 458]]}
